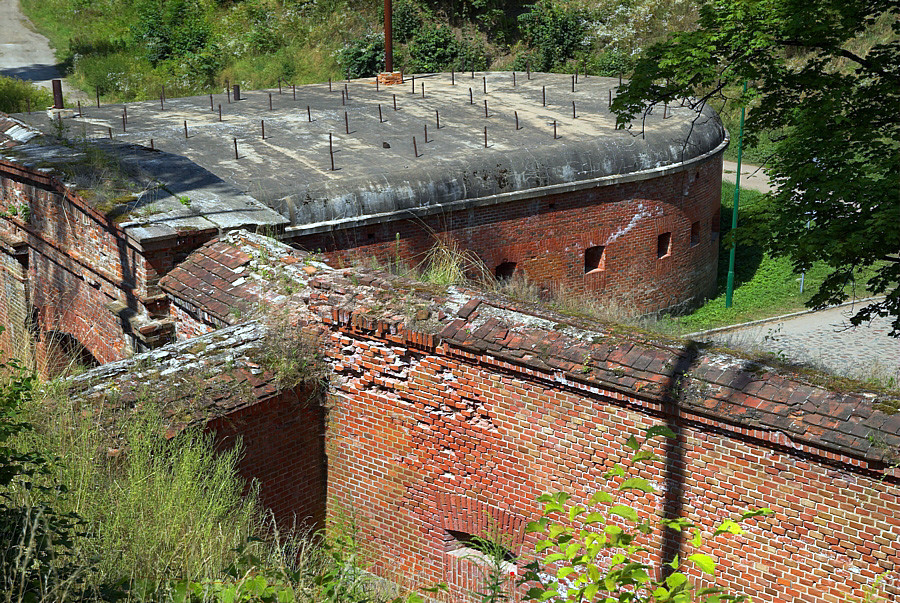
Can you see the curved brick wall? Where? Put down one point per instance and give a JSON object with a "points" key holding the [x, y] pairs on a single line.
{"points": [[551, 238]]}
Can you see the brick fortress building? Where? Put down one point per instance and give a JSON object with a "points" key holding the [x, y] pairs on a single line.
{"points": [[530, 174]]}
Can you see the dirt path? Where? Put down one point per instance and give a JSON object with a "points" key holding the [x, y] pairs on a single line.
{"points": [[25, 54]]}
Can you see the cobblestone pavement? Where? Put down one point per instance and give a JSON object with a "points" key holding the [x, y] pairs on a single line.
{"points": [[824, 339]]}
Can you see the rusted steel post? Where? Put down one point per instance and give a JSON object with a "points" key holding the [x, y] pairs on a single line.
{"points": [[437, 118], [485, 137], [346, 123], [57, 95], [220, 111], [262, 124], [485, 108], [235, 149], [308, 114], [516, 114], [185, 129], [331, 151], [544, 95], [270, 101], [388, 37], [395, 102]]}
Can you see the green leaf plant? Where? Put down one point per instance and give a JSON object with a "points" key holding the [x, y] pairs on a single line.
{"points": [[598, 552]]}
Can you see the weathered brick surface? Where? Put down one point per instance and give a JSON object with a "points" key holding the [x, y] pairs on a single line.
{"points": [[450, 410], [547, 237], [79, 262]]}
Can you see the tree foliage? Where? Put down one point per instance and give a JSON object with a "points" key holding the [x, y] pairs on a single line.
{"points": [[825, 84]]}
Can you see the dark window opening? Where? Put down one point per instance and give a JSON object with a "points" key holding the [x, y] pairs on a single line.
{"points": [[663, 245], [594, 258], [505, 271], [466, 545], [370, 235], [715, 225], [695, 234], [551, 206]]}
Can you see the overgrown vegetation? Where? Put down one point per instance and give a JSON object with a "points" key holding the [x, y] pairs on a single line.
{"points": [[17, 96]]}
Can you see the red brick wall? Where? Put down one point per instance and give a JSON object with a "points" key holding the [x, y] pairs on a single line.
{"points": [[408, 429], [283, 441], [547, 238], [79, 262]]}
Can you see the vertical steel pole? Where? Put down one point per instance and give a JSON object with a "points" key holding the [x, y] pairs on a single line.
{"points": [[388, 38], [729, 288]]}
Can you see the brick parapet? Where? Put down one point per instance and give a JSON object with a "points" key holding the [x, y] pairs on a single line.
{"points": [[444, 394]]}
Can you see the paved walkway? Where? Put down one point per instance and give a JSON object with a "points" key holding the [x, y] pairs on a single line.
{"points": [[752, 176], [25, 54], [826, 340]]}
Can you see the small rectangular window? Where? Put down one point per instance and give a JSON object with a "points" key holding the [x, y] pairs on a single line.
{"points": [[695, 234], [663, 245], [594, 258]]}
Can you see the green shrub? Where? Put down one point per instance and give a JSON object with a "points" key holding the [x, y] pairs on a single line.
{"points": [[437, 48], [170, 28], [609, 63], [17, 96], [554, 34], [363, 57], [597, 551]]}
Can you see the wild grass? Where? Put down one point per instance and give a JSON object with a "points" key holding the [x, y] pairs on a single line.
{"points": [[152, 508]]}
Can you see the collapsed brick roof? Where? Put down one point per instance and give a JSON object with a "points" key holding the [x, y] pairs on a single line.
{"points": [[191, 382], [243, 270]]}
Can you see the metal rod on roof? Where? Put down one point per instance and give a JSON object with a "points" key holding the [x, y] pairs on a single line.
{"points": [[573, 110], [308, 114], [347, 91], [346, 123], [485, 108], [377, 85], [573, 83], [123, 122], [79, 109], [228, 91], [220, 111], [484, 83], [516, 113], [380, 119], [331, 151], [514, 79], [423, 90], [151, 145], [665, 110], [279, 85], [211, 106], [528, 68], [109, 131], [236, 156], [485, 137], [329, 84], [343, 98], [554, 129], [452, 78], [125, 112], [262, 124], [471, 99], [609, 105], [185, 129], [270, 101], [413, 84], [415, 148], [395, 102], [426, 133], [473, 74], [544, 95], [294, 90], [98, 96], [437, 118], [161, 106]]}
